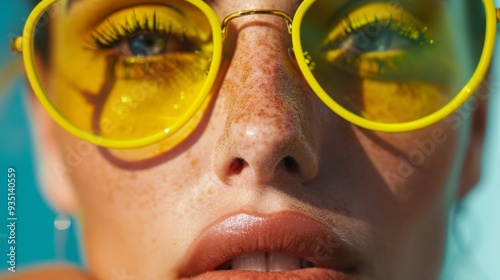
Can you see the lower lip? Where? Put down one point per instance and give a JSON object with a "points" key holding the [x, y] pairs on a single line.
{"points": [[302, 274]]}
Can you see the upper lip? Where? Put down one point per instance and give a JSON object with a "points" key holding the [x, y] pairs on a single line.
{"points": [[287, 232]]}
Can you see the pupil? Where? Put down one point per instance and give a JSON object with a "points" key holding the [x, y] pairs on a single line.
{"points": [[149, 41]]}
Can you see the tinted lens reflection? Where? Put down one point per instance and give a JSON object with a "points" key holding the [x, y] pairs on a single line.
{"points": [[119, 71], [393, 63]]}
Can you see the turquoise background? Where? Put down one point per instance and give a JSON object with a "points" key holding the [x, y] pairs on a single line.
{"points": [[474, 240], [35, 231]]}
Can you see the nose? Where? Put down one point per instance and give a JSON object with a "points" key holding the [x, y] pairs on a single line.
{"points": [[269, 132]]}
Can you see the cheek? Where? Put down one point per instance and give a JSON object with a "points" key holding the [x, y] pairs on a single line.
{"points": [[128, 204], [416, 166], [390, 179], [419, 172], [124, 188]]}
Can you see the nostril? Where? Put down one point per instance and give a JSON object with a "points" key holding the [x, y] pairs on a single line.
{"points": [[291, 164], [236, 166]]}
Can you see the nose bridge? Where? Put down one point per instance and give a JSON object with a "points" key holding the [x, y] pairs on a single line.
{"points": [[265, 93], [268, 82], [267, 126], [261, 60]]}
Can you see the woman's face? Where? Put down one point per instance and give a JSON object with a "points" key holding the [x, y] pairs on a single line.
{"points": [[270, 179]]}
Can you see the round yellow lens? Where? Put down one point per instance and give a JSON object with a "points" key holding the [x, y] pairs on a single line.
{"points": [[390, 67], [122, 75]]}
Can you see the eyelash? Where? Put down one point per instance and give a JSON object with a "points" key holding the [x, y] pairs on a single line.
{"points": [[114, 34], [404, 30], [354, 57]]}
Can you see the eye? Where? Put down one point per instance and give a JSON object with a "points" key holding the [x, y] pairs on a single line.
{"points": [[154, 43], [375, 39], [144, 45], [377, 36], [151, 35], [379, 48]]}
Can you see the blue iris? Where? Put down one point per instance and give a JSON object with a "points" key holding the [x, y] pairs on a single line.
{"points": [[385, 41], [147, 45]]}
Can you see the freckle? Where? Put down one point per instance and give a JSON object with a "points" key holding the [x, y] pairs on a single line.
{"points": [[153, 204], [194, 162], [142, 205], [109, 197], [153, 241]]}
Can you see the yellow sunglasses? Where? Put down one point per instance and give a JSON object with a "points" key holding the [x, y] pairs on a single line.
{"points": [[125, 74]]}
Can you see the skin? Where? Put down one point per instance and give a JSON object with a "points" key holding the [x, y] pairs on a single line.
{"points": [[140, 210]]}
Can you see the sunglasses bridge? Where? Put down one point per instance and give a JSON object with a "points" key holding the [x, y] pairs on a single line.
{"points": [[227, 19]]}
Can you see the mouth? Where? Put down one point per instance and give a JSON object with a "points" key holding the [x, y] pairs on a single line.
{"points": [[284, 245]]}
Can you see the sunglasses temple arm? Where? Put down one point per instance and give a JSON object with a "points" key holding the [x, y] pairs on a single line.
{"points": [[16, 45]]}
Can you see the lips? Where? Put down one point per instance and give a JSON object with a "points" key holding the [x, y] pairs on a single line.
{"points": [[284, 245]]}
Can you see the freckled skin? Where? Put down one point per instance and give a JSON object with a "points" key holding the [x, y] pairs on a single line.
{"points": [[144, 217]]}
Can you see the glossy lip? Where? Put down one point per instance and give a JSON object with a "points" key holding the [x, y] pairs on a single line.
{"points": [[287, 232]]}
